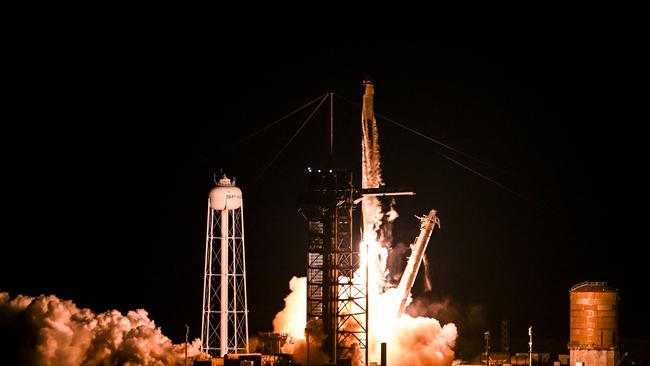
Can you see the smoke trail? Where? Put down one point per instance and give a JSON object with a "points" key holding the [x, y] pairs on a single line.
{"points": [[370, 167], [417, 341], [376, 222], [46, 330], [370, 143]]}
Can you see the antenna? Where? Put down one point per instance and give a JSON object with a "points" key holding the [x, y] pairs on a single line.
{"points": [[530, 346], [187, 332], [487, 347], [331, 128]]}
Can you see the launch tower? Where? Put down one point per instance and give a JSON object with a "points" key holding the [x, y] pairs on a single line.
{"points": [[336, 299]]}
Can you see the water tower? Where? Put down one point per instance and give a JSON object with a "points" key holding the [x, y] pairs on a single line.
{"points": [[593, 323], [224, 324]]}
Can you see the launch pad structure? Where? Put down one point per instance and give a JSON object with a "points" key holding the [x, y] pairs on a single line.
{"points": [[337, 286], [336, 299]]}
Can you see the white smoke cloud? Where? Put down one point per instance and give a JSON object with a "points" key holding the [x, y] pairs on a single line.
{"points": [[421, 341], [292, 320], [286, 320], [412, 339], [51, 331]]}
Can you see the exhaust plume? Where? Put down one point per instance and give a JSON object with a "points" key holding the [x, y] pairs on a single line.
{"points": [[417, 341], [46, 330]]}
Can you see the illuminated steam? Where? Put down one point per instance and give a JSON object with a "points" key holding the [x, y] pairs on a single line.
{"points": [[57, 332], [285, 321], [292, 320]]}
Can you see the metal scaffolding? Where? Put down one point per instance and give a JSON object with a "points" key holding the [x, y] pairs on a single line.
{"points": [[336, 298]]}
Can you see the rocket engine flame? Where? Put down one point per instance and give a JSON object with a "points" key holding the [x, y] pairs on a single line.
{"points": [[57, 332]]}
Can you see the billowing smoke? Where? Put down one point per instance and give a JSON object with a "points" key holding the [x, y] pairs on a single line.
{"points": [[292, 320], [286, 320], [469, 319], [46, 330], [412, 339], [411, 336], [421, 341]]}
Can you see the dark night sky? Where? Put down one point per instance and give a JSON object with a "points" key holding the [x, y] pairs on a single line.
{"points": [[125, 114]]}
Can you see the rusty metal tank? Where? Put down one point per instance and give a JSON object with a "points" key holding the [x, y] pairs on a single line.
{"points": [[593, 322]]}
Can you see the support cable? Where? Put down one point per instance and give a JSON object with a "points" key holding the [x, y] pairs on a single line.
{"points": [[451, 148], [483, 176], [244, 139], [323, 98]]}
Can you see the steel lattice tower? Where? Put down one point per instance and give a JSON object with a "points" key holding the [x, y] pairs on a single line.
{"points": [[224, 323], [336, 298]]}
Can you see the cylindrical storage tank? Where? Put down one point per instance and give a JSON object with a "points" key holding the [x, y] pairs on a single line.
{"points": [[593, 321], [225, 196]]}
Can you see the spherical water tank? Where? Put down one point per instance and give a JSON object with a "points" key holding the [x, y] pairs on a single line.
{"points": [[225, 196], [593, 321]]}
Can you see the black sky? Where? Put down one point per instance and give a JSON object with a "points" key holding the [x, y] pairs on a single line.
{"points": [[125, 114]]}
